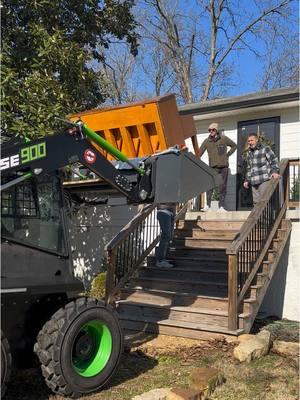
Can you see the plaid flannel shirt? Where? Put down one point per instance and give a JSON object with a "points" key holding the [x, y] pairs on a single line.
{"points": [[261, 163]]}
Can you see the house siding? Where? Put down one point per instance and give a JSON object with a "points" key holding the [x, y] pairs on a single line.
{"points": [[289, 134], [282, 297], [289, 139]]}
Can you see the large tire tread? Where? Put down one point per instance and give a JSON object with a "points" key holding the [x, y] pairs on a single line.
{"points": [[6, 364], [50, 338]]}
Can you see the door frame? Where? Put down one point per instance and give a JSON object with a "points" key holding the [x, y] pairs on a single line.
{"points": [[255, 121]]}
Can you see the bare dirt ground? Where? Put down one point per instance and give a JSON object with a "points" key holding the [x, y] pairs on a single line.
{"points": [[152, 362]]}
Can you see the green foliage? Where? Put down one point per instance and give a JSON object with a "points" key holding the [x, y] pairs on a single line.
{"points": [[98, 286], [295, 189], [216, 194], [48, 62]]}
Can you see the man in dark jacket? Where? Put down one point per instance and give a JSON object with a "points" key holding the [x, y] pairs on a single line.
{"points": [[216, 146], [262, 165]]}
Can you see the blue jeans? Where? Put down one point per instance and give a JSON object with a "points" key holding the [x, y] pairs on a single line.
{"points": [[166, 223]]}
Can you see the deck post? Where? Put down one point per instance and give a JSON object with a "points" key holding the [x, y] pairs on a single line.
{"points": [[109, 284], [232, 293]]}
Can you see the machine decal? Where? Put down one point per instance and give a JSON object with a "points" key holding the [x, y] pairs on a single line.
{"points": [[27, 154], [90, 156], [34, 152]]}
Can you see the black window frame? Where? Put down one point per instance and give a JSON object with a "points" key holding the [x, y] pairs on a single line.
{"points": [[33, 182]]}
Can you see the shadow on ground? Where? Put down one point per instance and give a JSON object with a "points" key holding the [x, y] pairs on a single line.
{"points": [[29, 384], [281, 329]]}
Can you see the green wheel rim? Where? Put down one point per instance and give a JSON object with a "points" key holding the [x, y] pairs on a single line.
{"points": [[92, 348]]}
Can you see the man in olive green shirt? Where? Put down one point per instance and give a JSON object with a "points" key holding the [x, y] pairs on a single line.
{"points": [[216, 146]]}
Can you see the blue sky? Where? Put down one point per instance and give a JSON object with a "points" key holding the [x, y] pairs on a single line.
{"points": [[247, 67]]}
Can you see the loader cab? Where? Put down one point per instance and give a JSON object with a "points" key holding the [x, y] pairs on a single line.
{"points": [[32, 214]]}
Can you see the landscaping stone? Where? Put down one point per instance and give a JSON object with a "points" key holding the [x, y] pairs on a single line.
{"points": [[252, 348], [185, 394], [231, 339], [155, 394], [245, 337], [206, 379], [286, 348]]}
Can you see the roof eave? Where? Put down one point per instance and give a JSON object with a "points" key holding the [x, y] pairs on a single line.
{"points": [[240, 102]]}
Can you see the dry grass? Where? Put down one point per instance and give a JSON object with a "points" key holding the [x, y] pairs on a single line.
{"points": [[169, 362]]}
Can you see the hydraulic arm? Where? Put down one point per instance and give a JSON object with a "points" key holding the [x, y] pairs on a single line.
{"points": [[21, 161], [170, 176]]}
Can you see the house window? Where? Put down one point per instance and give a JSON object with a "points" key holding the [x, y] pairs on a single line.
{"points": [[268, 128]]}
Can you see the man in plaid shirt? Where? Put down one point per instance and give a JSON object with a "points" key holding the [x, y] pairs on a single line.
{"points": [[262, 165]]}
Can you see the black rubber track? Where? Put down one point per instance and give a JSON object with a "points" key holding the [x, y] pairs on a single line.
{"points": [[53, 347], [6, 363]]}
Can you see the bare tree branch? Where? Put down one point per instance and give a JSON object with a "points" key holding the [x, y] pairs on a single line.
{"points": [[214, 63]]}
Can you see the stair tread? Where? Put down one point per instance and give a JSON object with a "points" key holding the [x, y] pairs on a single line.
{"points": [[172, 293], [194, 258], [185, 324], [192, 310], [186, 269], [216, 245], [256, 286], [213, 220], [221, 237], [181, 281]]}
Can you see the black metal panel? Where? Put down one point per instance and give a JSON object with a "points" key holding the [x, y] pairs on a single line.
{"points": [[178, 177], [35, 271], [22, 317]]}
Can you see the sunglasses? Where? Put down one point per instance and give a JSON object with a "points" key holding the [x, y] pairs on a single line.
{"points": [[212, 130]]}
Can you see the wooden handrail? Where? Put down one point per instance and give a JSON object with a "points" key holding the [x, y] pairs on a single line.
{"points": [[258, 262], [247, 251], [132, 224], [256, 212], [131, 246]]}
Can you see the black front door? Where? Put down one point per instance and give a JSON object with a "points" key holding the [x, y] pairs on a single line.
{"points": [[267, 128]]}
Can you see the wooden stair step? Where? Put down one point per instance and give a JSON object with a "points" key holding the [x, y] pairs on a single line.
{"points": [[211, 224], [266, 266], [285, 224], [261, 278], [153, 296], [186, 273], [187, 256], [208, 235], [201, 243], [185, 286], [193, 254], [167, 298], [254, 290], [197, 252], [276, 242], [137, 310], [178, 328], [193, 263], [281, 232]]}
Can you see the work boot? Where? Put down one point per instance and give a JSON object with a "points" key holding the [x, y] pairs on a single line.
{"points": [[206, 208], [164, 264]]}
